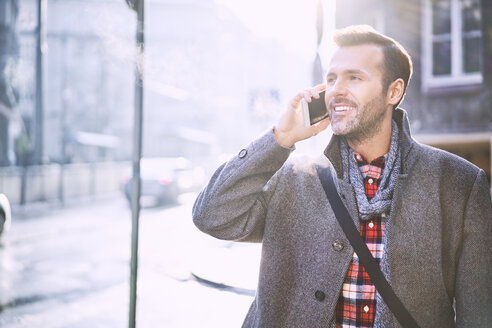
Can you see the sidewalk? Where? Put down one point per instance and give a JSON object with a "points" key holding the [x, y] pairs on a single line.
{"points": [[35, 209], [234, 268], [69, 267]]}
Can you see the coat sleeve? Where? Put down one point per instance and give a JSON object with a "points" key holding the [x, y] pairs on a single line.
{"points": [[234, 204], [474, 272]]}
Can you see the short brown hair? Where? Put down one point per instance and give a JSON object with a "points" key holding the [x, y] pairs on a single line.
{"points": [[397, 62]]}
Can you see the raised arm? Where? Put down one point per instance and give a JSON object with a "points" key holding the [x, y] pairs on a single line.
{"points": [[234, 204]]}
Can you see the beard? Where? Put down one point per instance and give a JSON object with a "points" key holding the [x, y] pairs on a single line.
{"points": [[366, 123]]}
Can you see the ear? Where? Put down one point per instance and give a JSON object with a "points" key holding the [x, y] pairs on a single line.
{"points": [[395, 92]]}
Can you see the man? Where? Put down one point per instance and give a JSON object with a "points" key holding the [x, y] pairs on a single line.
{"points": [[426, 215]]}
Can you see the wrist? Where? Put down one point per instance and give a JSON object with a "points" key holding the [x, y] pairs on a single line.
{"points": [[283, 138]]}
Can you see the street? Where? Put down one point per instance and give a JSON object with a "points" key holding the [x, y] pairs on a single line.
{"points": [[69, 267]]}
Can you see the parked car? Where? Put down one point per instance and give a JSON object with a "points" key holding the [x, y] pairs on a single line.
{"points": [[164, 178], [5, 214]]}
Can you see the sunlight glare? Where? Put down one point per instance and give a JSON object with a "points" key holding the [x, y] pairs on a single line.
{"points": [[292, 23]]}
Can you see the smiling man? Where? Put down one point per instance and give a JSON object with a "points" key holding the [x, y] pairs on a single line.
{"points": [[425, 215]]}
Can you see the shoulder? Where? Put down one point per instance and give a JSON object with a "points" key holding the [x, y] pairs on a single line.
{"points": [[302, 165], [433, 161], [445, 158]]}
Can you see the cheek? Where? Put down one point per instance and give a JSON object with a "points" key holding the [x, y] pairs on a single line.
{"points": [[364, 94]]}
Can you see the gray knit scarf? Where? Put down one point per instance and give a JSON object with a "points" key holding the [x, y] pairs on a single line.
{"points": [[381, 202]]}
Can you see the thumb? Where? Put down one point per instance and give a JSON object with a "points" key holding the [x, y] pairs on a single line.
{"points": [[320, 126]]}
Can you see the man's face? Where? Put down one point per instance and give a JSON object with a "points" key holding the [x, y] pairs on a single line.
{"points": [[354, 96]]}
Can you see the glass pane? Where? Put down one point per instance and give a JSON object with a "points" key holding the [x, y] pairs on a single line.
{"points": [[441, 58], [5, 12], [441, 17], [471, 54], [471, 15]]}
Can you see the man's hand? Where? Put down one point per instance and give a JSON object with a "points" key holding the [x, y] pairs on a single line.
{"points": [[290, 128]]}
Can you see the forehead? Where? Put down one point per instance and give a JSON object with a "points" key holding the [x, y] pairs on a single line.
{"points": [[367, 58]]}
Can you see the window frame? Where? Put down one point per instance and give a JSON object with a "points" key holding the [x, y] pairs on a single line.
{"points": [[457, 77]]}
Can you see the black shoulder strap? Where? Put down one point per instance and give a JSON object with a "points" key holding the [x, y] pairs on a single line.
{"points": [[360, 247]]}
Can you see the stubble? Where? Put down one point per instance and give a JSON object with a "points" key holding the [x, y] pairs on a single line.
{"points": [[366, 124]]}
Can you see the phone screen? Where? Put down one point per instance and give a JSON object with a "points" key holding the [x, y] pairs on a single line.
{"points": [[317, 109]]}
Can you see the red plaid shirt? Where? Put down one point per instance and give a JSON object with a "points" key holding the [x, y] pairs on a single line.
{"points": [[356, 305]]}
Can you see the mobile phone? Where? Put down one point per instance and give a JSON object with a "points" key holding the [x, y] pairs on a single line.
{"points": [[314, 111]]}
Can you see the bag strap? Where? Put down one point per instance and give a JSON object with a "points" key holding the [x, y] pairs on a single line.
{"points": [[360, 248]]}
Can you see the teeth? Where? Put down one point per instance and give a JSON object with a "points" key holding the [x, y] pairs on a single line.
{"points": [[343, 108]]}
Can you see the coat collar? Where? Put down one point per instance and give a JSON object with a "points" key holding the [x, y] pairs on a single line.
{"points": [[332, 151]]}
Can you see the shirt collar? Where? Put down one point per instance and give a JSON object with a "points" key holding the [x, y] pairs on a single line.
{"points": [[371, 170], [379, 162]]}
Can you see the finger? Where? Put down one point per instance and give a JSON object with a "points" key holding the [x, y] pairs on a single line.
{"points": [[314, 93], [307, 95], [320, 87], [322, 125], [316, 90], [294, 103], [310, 93], [326, 120], [299, 96]]}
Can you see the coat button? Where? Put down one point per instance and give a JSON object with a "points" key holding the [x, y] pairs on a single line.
{"points": [[337, 245], [243, 153], [320, 296]]}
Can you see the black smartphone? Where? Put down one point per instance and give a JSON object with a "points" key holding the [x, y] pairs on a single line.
{"points": [[314, 111]]}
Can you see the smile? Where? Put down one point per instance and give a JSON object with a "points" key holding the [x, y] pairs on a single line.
{"points": [[343, 108]]}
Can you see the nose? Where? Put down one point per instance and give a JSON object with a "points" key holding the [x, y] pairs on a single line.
{"points": [[339, 88]]}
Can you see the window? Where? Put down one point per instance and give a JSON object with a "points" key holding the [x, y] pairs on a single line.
{"points": [[452, 43], [5, 13]]}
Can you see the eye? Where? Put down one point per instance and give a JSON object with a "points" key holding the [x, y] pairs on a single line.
{"points": [[330, 80], [354, 78]]}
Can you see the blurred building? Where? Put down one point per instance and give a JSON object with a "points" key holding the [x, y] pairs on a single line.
{"points": [[210, 84], [70, 83], [450, 41]]}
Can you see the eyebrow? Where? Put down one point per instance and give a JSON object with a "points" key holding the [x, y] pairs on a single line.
{"points": [[354, 71], [349, 71]]}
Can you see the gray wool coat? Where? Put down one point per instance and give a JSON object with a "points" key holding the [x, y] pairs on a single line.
{"points": [[439, 236]]}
